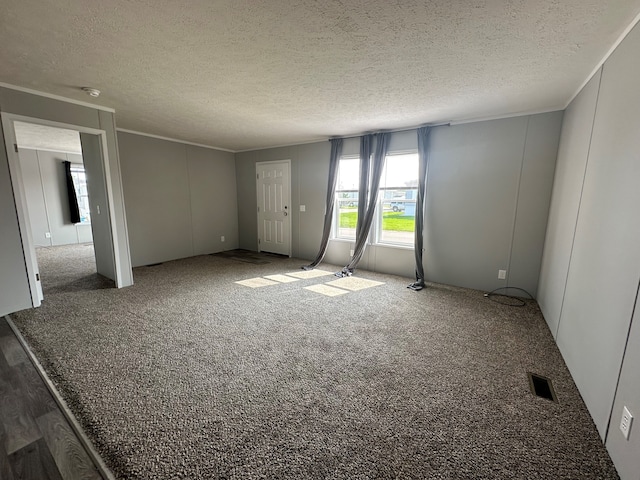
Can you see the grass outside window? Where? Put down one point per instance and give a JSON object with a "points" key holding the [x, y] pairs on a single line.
{"points": [[395, 221]]}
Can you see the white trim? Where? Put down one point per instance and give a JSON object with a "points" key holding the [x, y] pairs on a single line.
{"points": [[123, 206], [50, 123], [600, 64], [408, 129], [510, 115], [62, 405], [28, 244], [56, 97], [169, 139], [112, 213], [306, 142], [22, 213]]}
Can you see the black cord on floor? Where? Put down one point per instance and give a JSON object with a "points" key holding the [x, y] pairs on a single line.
{"points": [[511, 298]]}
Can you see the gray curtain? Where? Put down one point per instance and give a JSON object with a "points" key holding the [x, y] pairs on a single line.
{"points": [[423, 149], [334, 162], [74, 211], [363, 188], [375, 169]]}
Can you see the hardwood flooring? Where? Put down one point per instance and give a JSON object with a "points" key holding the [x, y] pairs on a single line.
{"points": [[36, 440]]}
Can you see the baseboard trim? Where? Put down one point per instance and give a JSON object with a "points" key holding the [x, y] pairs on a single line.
{"points": [[75, 425]]}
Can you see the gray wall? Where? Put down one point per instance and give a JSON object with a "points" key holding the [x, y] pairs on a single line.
{"points": [[45, 188], [98, 200], [309, 170], [488, 192], [15, 293], [567, 190], [181, 199], [595, 312], [626, 453]]}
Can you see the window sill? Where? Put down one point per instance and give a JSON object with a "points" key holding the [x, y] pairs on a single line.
{"points": [[343, 240], [394, 246]]}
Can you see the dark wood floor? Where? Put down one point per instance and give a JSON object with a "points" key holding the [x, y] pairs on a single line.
{"points": [[37, 441]]}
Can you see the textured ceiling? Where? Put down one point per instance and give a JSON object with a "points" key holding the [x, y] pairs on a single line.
{"points": [[242, 74], [41, 137]]}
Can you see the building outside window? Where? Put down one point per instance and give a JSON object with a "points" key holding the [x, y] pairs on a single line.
{"points": [[346, 200], [396, 211]]}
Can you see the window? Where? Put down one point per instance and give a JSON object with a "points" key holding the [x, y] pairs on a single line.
{"points": [[396, 200], [396, 215], [346, 202], [80, 185]]}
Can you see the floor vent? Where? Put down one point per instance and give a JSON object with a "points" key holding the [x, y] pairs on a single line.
{"points": [[542, 387]]}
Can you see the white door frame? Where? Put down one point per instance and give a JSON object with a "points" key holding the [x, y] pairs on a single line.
{"points": [[287, 161], [28, 245]]}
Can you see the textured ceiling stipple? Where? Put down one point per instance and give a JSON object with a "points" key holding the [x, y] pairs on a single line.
{"points": [[242, 74], [41, 137]]}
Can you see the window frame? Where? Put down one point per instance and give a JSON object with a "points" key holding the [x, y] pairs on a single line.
{"points": [[335, 228], [376, 233]]}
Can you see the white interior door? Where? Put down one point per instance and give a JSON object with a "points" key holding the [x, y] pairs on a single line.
{"points": [[274, 207]]}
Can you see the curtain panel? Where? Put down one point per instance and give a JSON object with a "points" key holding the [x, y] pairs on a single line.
{"points": [[424, 134], [334, 162], [74, 211], [375, 169]]}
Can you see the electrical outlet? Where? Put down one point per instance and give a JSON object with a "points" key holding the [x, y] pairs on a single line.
{"points": [[222, 238], [502, 274], [351, 252], [47, 234], [625, 422], [303, 208]]}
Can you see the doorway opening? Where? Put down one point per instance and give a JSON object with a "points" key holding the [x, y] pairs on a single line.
{"points": [[55, 186], [59, 178]]}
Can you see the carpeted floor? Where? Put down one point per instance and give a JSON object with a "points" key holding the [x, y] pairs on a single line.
{"points": [[188, 374]]}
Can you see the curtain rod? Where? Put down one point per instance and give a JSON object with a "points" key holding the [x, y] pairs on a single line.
{"points": [[447, 124]]}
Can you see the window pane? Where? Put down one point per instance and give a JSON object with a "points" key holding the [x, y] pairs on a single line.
{"points": [[346, 207], [398, 192], [80, 185]]}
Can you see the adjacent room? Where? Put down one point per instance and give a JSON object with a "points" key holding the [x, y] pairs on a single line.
{"points": [[319, 240]]}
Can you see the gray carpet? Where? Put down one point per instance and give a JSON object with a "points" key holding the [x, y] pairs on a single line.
{"points": [[189, 375]]}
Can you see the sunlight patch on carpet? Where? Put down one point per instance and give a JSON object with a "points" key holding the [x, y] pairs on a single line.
{"points": [[256, 282], [326, 290], [309, 273], [354, 283], [282, 278]]}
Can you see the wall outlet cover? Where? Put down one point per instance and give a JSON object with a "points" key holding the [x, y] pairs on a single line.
{"points": [[47, 235], [303, 208], [625, 422], [502, 274], [222, 238]]}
